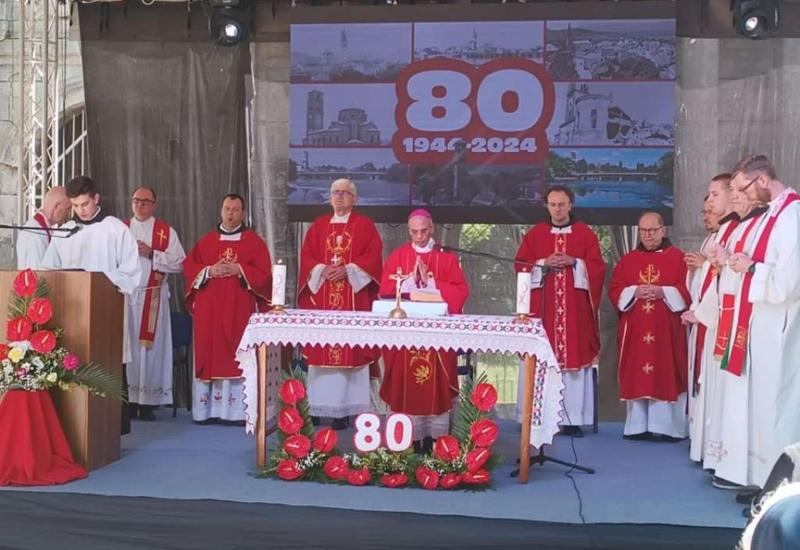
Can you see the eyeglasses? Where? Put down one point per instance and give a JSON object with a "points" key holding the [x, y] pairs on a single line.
{"points": [[143, 201], [341, 193], [650, 231], [743, 189]]}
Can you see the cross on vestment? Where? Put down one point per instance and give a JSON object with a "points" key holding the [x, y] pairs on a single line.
{"points": [[161, 237]]}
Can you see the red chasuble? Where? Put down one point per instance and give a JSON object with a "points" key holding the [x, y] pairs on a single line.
{"points": [[423, 382], [222, 306], [569, 314], [652, 341], [356, 242]]}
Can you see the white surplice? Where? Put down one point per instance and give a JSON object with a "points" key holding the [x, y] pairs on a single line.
{"points": [[756, 414], [31, 246], [339, 392], [150, 370], [698, 401], [106, 246]]}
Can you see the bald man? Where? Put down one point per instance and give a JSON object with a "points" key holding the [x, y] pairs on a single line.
{"points": [[32, 243], [648, 289]]}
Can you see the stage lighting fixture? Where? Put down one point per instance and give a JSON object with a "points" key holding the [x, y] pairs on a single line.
{"points": [[755, 18], [229, 22]]}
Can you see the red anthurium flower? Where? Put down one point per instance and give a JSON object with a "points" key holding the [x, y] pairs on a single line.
{"points": [[40, 311], [448, 481], [297, 445], [3, 351], [25, 283], [394, 480], [289, 470], [484, 397], [446, 448], [292, 391], [43, 341], [358, 477], [484, 432], [480, 477], [336, 468], [18, 328], [325, 440], [427, 478], [476, 458], [289, 420], [71, 362]]}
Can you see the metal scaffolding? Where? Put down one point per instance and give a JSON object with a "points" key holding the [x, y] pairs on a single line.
{"points": [[42, 28]]}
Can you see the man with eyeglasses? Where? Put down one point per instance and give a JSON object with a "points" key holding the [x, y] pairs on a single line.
{"points": [[758, 330], [720, 220], [160, 253], [648, 288], [340, 269], [566, 286]]}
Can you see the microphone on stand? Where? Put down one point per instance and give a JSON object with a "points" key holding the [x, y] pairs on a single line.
{"points": [[544, 269]]}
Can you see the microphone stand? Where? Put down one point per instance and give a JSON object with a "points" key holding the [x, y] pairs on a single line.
{"points": [[540, 458], [68, 230]]}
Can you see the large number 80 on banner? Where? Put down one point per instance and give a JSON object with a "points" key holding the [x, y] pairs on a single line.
{"points": [[497, 113]]}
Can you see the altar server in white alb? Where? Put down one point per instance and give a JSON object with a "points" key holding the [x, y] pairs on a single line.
{"points": [[160, 253], [32, 243], [103, 243]]}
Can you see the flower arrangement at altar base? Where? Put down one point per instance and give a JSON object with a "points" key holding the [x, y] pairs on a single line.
{"points": [[33, 359], [463, 459]]}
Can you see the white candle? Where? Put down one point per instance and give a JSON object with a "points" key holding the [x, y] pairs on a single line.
{"points": [[279, 285], [523, 293]]}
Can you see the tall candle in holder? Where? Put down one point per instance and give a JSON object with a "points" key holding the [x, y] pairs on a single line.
{"points": [[278, 286], [523, 293]]}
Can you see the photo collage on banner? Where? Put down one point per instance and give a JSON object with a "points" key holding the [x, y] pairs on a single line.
{"points": [[476, 119]]}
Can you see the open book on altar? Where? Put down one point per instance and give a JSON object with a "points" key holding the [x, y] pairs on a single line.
{"points": [[413, 309], [425, 295]]}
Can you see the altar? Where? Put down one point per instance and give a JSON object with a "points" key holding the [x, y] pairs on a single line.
{"points": [[542, 401]]}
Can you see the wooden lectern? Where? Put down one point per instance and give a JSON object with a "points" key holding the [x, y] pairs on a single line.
{"points": [[90, 310]]}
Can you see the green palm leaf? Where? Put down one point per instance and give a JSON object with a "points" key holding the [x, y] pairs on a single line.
{"points": [[97, 380]]}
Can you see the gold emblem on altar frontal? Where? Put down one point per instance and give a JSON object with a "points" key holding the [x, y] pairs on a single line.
{"points": [[648, 368], [420, 366], [649, 275], [228, 256], [335, 355]]}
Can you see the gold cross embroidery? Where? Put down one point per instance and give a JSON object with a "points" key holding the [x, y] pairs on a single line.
{"points": [[650, 275], [161, 237], [648, 306], [648, 368], [648, 338]]}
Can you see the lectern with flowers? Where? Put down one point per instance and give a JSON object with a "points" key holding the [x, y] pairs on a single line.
{"points": [[33, 448]]}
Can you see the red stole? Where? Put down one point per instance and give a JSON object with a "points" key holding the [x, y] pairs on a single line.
{"points": [[711, 274], [42, 221], [152, 296], [734, 361], [423, 381], [729, 300], [357, 242]]}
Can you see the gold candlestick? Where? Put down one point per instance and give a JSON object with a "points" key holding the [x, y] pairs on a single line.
{"points": [[398, 278]]}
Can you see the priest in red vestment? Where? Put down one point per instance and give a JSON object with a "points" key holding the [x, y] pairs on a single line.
{"points": [[648, 288], [340, 269], [566, 286], [422, 383], [228, 277]]}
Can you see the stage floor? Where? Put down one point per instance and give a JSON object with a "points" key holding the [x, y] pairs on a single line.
{"points": [[636, 482]]}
